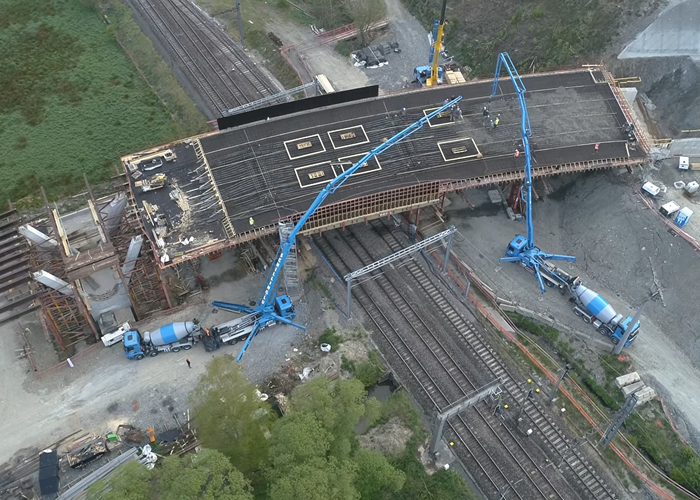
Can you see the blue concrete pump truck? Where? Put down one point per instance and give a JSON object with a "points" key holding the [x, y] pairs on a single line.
{"points": [[589, 305]]}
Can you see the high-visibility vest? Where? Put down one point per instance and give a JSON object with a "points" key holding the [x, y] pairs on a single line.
{"points": [[251, 221]]}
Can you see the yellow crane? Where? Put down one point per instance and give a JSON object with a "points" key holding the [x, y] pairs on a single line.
{"points": [[437, 46]]}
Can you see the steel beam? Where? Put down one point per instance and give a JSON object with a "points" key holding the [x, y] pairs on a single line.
{"points": [[52, 281], [401, 254], [131, 256], [36, 236]]}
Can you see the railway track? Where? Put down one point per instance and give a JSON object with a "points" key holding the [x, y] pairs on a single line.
{"points": [[222, 73], [553, 439], [443, 379], [521, 471]]}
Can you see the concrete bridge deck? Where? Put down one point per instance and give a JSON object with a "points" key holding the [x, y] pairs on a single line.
{"points": [[273, 169]]}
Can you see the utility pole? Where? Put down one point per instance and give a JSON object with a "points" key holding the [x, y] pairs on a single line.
{"points": [[628, 331], [622, 415], [553, 395], [240, 22]]}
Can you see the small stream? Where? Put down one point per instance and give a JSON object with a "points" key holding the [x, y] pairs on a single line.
{"points": [[382, 391]]}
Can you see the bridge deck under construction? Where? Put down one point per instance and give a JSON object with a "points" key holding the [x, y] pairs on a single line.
{"points": [[272, 170]]}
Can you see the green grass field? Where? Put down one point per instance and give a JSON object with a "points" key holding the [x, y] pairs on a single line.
{"points": [[71, 101]]}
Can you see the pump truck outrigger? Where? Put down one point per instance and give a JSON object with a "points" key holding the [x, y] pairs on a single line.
{"points": [[271, 308]]}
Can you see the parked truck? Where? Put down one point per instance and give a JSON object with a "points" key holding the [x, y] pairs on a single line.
{"points": [[172, 337], [422, 74], [594, 309], [114, 325], [588, 305]]}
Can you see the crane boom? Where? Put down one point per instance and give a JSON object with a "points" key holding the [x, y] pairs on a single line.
{"points": [[523, 250], [437, 46], [265, 308]]}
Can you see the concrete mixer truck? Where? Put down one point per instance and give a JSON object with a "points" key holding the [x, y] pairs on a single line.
{"points": [[172, 337], [594, 309]]}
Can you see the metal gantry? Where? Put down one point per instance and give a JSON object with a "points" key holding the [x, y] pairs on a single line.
{"points": [[279, 97], [404, 252], [459, 406]]}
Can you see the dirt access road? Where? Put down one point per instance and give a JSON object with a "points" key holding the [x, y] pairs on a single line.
{"points": [[600, 219]]}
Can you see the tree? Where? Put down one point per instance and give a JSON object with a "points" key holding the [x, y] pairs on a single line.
{"points": [[364, 13], [329, 14], [230, 416], [206, 476], [376, 477], [128, 482], [296, 439], [338, 406], [315, 451], [317, 479]]}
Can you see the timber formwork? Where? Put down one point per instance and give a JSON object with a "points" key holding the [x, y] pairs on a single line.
{"points": [[64, 315], [409, 198], [147, 292]]}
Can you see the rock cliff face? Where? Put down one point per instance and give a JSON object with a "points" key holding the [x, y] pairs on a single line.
{"points": [[672, 84]]}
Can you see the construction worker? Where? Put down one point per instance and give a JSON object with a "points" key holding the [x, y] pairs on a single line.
{"points": [[251, 221], [497, 121], [597, 147], [517, 153], [485, 112]]}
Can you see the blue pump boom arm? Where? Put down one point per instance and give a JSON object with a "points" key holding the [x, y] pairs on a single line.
{"points": [[265, 307], [270, 290], [529, 255], [525, 131]]}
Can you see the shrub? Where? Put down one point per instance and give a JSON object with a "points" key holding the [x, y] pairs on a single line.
{"points": [[329, 336], [368, 373]]}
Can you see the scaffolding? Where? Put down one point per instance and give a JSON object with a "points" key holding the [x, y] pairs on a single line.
{"points": [[146, 289], [65, 305]]}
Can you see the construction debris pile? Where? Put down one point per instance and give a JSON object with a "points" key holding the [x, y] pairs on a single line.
{"points": [[374, 57], [65, 470]]}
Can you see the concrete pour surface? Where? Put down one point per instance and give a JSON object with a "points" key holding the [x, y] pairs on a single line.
{"points": [[619, 245], [106, 389]]}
